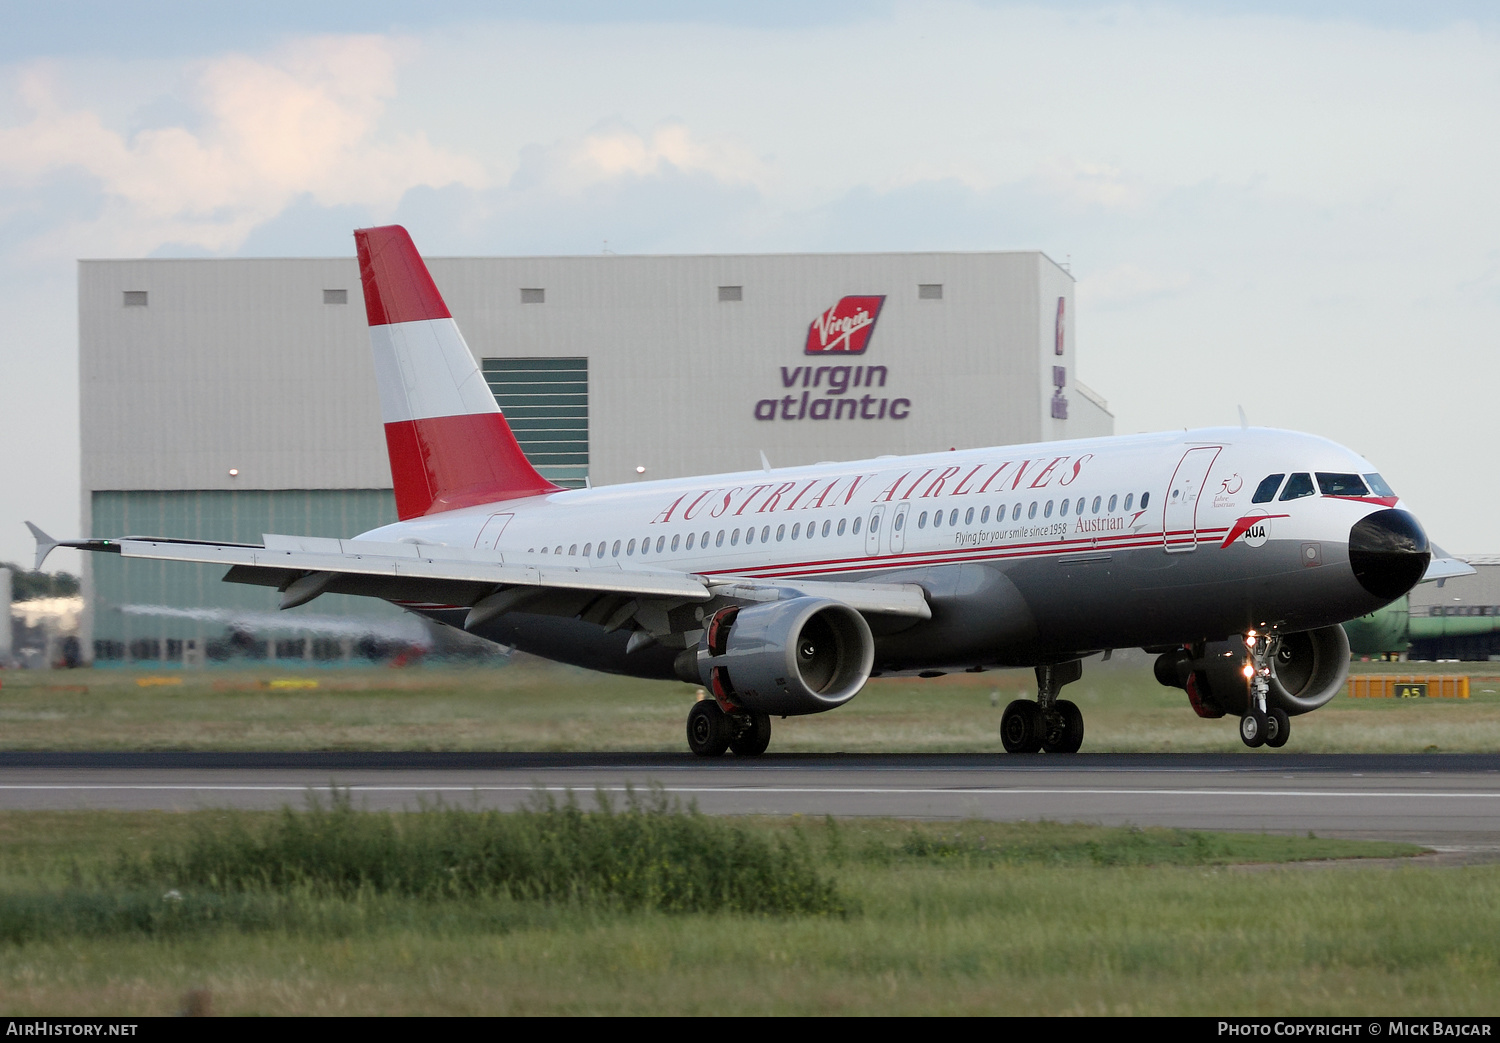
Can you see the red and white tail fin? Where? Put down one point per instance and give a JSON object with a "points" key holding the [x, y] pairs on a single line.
{"points": [[449, 444]]}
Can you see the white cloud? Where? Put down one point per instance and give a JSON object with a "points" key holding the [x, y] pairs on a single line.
{"points": [[305, 120], [616, 151]]}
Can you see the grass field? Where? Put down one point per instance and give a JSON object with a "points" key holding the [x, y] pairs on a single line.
{"points": [[1025, 918], [532, 705], [977, 918]]}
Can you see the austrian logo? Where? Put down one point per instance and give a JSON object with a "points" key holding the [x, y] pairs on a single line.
{"points": [[845, 328]]}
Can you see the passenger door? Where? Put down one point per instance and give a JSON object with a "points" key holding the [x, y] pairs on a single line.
{"points": [[1180, 509], [898, 528]]}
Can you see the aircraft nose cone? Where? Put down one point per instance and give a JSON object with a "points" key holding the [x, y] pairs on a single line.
{"points": [[1388, 552]]}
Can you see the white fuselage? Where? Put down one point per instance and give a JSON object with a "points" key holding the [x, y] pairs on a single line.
{"points": [[1026, 553], [858, 519]]}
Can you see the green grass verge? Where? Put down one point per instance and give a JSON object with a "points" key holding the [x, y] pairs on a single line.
{"points": [[972, 918], [651, 854]]}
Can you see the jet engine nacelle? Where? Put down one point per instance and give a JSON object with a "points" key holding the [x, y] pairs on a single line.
{"points": [[1307, 670], [786, 658]]}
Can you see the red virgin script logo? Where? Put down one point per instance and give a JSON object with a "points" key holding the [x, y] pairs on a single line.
{"points": [[846, 327]]}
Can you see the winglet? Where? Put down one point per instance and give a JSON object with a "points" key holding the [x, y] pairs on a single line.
{"points": [[44, 545]]}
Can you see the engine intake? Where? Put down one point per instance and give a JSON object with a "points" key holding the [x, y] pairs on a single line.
{"points": [[787, 658], [1307, 670]]}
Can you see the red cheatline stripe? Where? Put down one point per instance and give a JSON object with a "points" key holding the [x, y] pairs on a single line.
{"points": [[398, 287], [1243, 526], [957, 556], [1039, 549], [960, 555], [886, 564]]}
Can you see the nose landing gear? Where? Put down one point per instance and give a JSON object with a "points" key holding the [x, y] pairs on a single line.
{"points": [[1280, 729], [1262, 725]]}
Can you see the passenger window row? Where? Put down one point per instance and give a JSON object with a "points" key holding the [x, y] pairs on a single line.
{"points": [[1062, 508], [751, 535]]}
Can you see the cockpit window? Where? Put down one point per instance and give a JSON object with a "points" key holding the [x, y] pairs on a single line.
{"points": [[1298, 486], [1341, 484], [1377, 485], [1266, 491]]}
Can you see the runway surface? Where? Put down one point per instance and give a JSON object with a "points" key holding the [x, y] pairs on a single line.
{"points": [[1447, 801]]}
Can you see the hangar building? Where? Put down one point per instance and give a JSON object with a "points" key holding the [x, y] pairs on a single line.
{"points": [[224, 399]]}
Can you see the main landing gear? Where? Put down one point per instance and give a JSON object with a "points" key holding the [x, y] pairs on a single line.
{"points": [[711, 731], [1262, 725], [1050, 723]]}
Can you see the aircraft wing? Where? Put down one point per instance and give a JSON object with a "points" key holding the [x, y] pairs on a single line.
{"points": [[304, 567], [299, 557], [1445, 566]]}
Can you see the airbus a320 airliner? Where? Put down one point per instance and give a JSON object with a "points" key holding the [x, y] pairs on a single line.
{"points": [[1232, 554]]}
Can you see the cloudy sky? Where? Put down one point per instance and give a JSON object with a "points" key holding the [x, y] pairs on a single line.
{"points": [[1290, 207]]}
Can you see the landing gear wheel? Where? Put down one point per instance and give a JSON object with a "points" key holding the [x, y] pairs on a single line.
{"points": [[752, 734], [1063, 730], [1280, 729], [1254, 727], [1021, 727], [708, 729]]}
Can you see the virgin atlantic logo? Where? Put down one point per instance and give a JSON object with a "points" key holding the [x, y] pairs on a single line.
{"points": [[846, 327]]}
